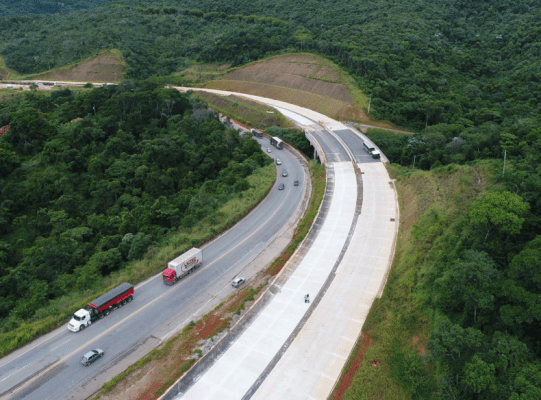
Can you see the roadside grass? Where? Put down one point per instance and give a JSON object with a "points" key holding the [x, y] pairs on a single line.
{"points": [[322, 104], [245, 111], [174, 353], [433, 218], [5, 72], [16, 334], [198, 74]]}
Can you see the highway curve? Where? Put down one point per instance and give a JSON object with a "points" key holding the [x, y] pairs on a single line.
{"points": [[49, 367]]}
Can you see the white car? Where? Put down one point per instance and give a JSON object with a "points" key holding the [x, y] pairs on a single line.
{"points": [[278, 162], [238, 281], [269, 150]]}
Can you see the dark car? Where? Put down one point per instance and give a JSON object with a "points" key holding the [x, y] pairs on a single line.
{"points": [[281, 186], [296, 182], [91, 356]]}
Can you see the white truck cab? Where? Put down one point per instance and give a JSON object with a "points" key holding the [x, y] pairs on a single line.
{"points": [[79, 320]]}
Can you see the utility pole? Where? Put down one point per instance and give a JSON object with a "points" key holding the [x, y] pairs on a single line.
{"points": [[504, 157], [414, 161], [369, 101]]}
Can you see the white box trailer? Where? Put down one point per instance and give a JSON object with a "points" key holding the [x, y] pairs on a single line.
{"points": [[182, 265]]}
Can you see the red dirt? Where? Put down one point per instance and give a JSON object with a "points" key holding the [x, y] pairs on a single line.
{"points": [[208, 327], [347, 379], [149, 393]]}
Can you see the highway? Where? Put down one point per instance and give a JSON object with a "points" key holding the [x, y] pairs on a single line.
{"points": [[49, 367]]}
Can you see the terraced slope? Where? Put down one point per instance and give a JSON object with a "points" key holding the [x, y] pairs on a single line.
{"points": [[303, 79]]}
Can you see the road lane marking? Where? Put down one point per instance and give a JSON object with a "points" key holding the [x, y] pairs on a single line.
{"points": [[61, 344], [20, 369], [39, 344], [142, 308]]}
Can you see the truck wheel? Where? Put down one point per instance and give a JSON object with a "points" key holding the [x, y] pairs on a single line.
{"points": [[82, 327], [124, 302], [100, 316], [130, 298], [107, 312], [119, 304]]}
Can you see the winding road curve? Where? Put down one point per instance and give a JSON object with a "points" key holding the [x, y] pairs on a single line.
{"points": [[290, 349], [285, 349], [49, 367]]}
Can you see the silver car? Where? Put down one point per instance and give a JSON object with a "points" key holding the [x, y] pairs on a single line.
{"points": [[238, 281], [284, 173], [91, 356]]}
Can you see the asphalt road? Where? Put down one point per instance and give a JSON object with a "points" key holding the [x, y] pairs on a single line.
{"points": [[355, 144], [333, 149], [49, 368]]}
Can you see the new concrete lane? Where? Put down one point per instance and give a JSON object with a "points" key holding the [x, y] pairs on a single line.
{"points": [[49, 368]]}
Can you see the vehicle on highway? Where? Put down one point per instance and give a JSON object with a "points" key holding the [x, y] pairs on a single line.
{"points": [[8, 86], [182, 266], [278, 162], [257, 133], [281, 186], [91, 356], [284, 173], [277, 142], [269, 150], [296, 182], [101, 307], [371, 150], [238, 281]]}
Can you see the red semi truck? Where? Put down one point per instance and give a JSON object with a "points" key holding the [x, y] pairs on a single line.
{"points": [[101, 307], [182, 265]]}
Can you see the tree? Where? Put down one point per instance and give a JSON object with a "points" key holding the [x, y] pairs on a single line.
{"points": [[472, 279], [499, 210], [522, 286]]}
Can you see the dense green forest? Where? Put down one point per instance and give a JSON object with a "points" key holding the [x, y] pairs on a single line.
{"points": [[424, 63], [22, 7], [466, 75], [81, 198]]}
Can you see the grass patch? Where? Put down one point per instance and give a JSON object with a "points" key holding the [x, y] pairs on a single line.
{"points": [[322, 104], [245, 111], [60, 310], [319, 78], [432, 205]]}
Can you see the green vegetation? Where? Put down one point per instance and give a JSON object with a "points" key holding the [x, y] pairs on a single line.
{"points": [[465, 75], [83, 201], [244, 110]]}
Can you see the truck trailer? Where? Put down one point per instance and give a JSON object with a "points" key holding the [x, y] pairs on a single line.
{"points": [[101, 307], [257, 132], [182, 266]]}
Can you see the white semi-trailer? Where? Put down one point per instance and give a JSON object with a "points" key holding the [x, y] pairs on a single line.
{"points": [[182, 266]]}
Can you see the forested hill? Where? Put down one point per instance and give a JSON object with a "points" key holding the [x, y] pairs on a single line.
{"points": [[423, 62], [88, 182], [24, 7]]}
